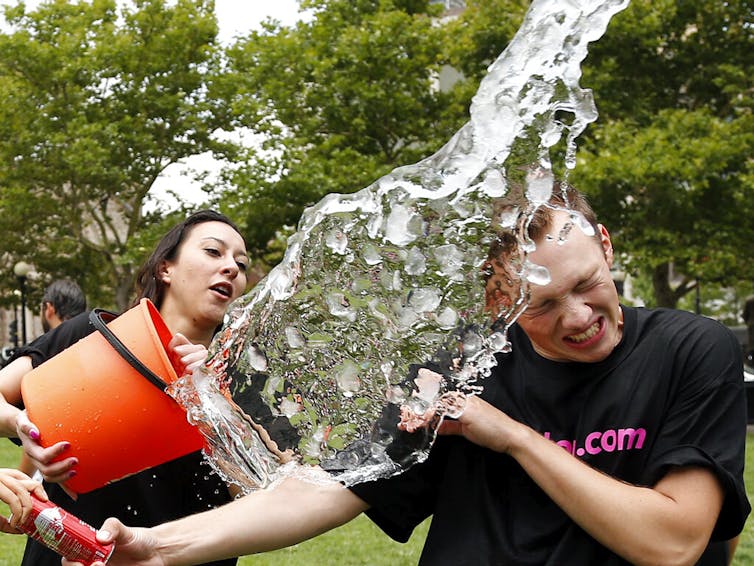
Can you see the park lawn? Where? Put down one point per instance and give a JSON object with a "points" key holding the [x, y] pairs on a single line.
{"points": [[357, 543]]}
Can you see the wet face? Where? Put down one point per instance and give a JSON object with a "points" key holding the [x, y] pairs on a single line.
{"points": [[575, 317], [208, 273]]}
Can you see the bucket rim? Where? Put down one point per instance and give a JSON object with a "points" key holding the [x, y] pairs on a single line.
{"points": [[153, 319]]}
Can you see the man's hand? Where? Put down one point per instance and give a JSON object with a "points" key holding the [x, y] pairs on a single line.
{"points": [[133, 546], [482, 424]]}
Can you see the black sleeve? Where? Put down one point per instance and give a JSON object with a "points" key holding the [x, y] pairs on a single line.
{"points": [[706, 425], [56, 340], [400, 503]]}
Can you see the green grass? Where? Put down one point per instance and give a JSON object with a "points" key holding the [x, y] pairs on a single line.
{"points": [[358, 542], [354, 544], [11, 546]]}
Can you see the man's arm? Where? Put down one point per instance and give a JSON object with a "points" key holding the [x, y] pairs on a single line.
{"points": [[10, 394], [669, 523], [268, 519]]}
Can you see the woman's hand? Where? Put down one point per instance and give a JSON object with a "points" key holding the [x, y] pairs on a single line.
{"points": [[185, 356], [41, 457], [15, 490]]}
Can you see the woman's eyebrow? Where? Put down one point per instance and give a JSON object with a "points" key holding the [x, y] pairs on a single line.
{"points": [[224, 244]]}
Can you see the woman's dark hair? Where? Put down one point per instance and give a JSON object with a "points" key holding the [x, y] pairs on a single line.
{"points": [[149, 284]]}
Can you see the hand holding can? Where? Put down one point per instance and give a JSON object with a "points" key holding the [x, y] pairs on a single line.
{"points": [[64, 533]]}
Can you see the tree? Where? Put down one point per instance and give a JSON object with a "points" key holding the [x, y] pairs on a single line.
{"points": [[341, 99], [668, 164], [93, 109]]}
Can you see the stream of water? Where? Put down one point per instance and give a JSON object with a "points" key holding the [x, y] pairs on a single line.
{"points": [[378, 304]]}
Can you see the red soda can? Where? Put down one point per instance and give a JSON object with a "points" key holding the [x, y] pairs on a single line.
{"points": [[67, 535]]}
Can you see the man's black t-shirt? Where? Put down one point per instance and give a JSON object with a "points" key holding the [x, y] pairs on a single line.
{"points": [[671, 394], [181, 487]]}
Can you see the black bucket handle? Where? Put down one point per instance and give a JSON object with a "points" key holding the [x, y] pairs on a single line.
{"points": [[96, 317]]}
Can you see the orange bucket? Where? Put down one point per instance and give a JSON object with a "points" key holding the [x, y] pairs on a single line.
{"points": [[105, 395]]}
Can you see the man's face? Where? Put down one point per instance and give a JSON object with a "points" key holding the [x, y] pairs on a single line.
{"points": [[575, 317], [43, 315]]}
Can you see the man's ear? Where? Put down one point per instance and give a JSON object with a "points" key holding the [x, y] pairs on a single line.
{"points": [[49, 311], [607, 245]]}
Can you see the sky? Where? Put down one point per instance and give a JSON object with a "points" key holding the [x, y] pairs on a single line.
{"points": [[235, 17]]}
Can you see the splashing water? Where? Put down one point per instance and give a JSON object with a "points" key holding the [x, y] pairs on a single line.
{"points": [[378, 309]]}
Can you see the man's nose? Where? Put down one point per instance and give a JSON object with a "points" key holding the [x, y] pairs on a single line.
{"points": [[576, 313]]}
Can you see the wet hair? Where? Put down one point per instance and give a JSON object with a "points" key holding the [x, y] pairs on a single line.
{"points": [[515, 221], [536, 222], [66, 297], [149, 284]]}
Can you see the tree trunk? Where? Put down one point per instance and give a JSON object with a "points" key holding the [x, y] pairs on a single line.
{"points": [[665, 294], [124, 290]]}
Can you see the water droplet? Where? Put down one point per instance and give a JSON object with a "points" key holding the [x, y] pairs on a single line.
{"points": [[347, 377], [257, 359], [494, 183], [400, 226], [582, 223], [337, 241], [424, 300], [537, 274], [416, 263], [295, 339], [539, 185]]}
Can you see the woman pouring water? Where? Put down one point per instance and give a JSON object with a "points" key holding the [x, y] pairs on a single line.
{"points": [[194, 273]]}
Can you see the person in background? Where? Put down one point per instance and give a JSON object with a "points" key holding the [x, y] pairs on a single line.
{"points": [[63, 299], [748, 316], [197, 269], [608, 435]]}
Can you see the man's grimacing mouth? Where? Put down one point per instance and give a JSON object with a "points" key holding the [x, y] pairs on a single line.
{"points": [[586, 335]]}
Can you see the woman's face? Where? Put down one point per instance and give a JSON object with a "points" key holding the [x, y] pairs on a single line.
{"points": [[207, 274]]}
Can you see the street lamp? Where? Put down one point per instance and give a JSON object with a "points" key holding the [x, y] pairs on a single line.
{"points": [[22, 269]]}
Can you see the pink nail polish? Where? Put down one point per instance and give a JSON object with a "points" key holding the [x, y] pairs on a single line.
{"points": [[34, 434]]}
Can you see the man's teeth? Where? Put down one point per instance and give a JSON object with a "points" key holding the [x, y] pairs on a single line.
{"points": [[591, 331]]}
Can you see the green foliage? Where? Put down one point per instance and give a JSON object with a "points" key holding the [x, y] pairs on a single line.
{"points": [[95, 106], [675, 191], [481, 34], [93, 110], [668, 166], [342, 99]]}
